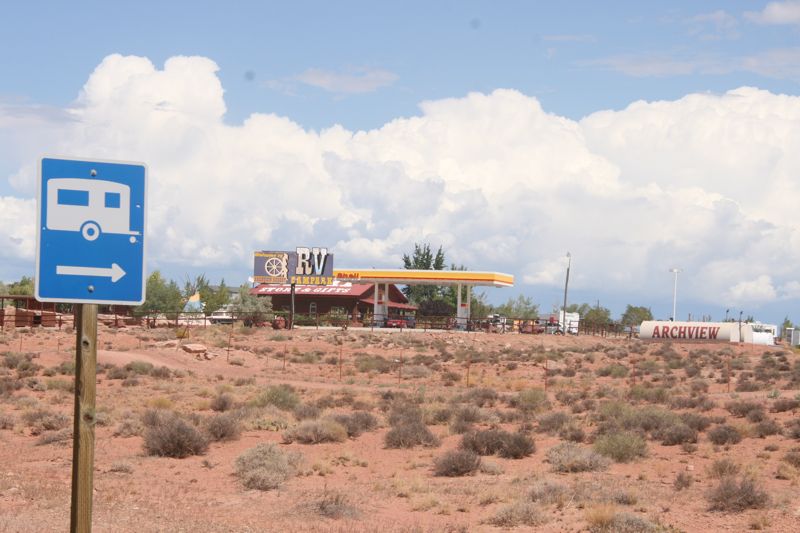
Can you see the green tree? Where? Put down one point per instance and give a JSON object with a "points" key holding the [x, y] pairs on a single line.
{"points": [[519, 307], [786, 325], [213, 298], [479, 307], [423, 258], [3, 288], [162, 297], [597, 315], [252, 309], [635, 315], [581, 309], [23, 287]]}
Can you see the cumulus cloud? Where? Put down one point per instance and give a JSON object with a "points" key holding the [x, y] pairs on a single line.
{"points": [[706, 182], [787, 12]]}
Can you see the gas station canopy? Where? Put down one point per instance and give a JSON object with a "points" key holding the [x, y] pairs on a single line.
{"points": [[425, 277]]}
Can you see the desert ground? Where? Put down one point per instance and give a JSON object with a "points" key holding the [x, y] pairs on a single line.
{"points": [[329, 430]]}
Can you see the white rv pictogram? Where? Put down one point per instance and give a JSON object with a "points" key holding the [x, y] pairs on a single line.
{"points": [[89, 206]]}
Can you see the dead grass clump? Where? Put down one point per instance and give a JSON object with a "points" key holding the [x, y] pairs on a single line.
{"points": [[497, 441], [410, 434], [315, 432], [569, 457], [266, 466], [41, 420], [54, 437], [357, 422], [736, 496], [622, 447], [548, 492], [676, 434], [683, 481], [7, 421], [481, 397], [223, 402], [521, 513], [167, 434], [456, 463], [765, 428], [793, 458], [793, 429], [223, 426], [609, 521], [695, 421], [139, 367], [724, 434], [333, 504], [572, 433]]}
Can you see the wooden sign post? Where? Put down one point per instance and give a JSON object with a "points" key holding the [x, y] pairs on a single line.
{"points": [[85, 418]]}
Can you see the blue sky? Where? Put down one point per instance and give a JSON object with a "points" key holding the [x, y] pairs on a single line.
{"points": [[370, 67]]}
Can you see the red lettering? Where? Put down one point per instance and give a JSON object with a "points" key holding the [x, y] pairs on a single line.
{"points": [[672, 330], [690, 330], [665, 331], [656, 334], [703, 332], [682, 332], [712, 333]]}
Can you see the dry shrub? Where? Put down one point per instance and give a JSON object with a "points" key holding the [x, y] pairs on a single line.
{"points": [[306, 411], [723, 468], [553, 422], [683, 480], [223, 402], [410, 434], [316, 431], [736, 496], [793, 458], [7, 421], [521, 513], [281, 396], [622, 447], [793, 429], [167, 434], [357, 422], [516, 446], [456, 463], [223, 426], [569, 457], [481, 397], [497, 441], [530, 401], [548, 492], [53, 437], [741, 408], [621, 523], [266, 466], [785, 404], [765, 428], [41, 420], [677, 434], [724, 434], [333, 504]]}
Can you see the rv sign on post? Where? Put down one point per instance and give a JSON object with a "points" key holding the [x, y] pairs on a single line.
{"points": [[91, 232]]}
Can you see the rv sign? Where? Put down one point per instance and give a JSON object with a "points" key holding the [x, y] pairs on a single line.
{"points": [[91, 232]]}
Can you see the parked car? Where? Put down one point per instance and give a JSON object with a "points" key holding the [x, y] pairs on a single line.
{"points": [[400, 322], [222, 315]]}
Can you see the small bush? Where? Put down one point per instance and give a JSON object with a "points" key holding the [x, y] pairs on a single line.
{"points": [[410, 434], [41, 420], [169, 435], [456, 463], [724, 434], [623, 523], [266, 466], [621, 447], [223, 402], [793, 458], [357, 422], [765, 428], [695, 421], [553, 422], [7, 421], [531, 401], [139, 367], [520, 513], [333, 504], [569, 457], [306, 411], [486, 442], [735, 497], [224, 426], [548, 492], [723, 468], [516, 446], [161, 372], [793, 429], [281, 396], [785, 404], [481, 397], [54, 437], [677, 434], [683, 481], [572, 433], [316, 431], [741, 408]]}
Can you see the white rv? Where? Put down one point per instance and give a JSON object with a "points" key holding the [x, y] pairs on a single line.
{"points": [[89, 206]]}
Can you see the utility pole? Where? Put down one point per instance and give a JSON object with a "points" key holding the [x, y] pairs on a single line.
{"points": [[566, 284], [675, 271]]}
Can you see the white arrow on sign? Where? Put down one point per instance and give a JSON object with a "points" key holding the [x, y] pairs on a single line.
{"points": [[115, 272]]}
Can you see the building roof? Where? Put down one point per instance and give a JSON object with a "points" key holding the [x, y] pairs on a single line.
{"points": [[337, 289]]}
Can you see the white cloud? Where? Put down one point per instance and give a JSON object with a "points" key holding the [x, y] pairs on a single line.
{"points": [[353, 81], [787, 12], [707, 182], [714, 26]]}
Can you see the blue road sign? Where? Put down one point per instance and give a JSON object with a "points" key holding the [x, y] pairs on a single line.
{"points": [[91, 232]]}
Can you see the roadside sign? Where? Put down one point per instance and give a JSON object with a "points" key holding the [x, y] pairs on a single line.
{"points": [[91, 221]]}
